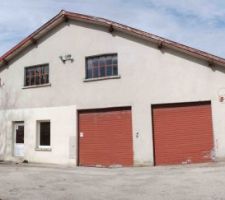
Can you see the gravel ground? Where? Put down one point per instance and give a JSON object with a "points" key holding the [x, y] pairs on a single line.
{"points": [[40, 182]]}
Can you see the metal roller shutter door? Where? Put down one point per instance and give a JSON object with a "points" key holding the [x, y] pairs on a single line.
{"points": [[182, 133], [105, 137]]}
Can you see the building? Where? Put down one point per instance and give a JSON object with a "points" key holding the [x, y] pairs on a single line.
{"points": [[87, 91]]}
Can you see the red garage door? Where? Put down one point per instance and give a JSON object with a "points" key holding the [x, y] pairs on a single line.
{"points": [[182, 133], [105, 137]]}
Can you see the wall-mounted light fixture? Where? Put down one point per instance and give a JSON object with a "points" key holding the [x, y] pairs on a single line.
{"points": [[65, 58]]}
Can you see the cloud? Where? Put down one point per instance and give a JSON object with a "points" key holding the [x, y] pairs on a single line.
{"points": [[197, 23]]}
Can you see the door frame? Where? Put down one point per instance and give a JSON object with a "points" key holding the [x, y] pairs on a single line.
{"points": [[15, 126]]}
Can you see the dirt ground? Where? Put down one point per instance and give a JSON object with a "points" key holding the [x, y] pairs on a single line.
{"points": [[40, 182]]}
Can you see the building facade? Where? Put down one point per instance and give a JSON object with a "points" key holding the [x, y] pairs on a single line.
{"points": [[87, 91]]}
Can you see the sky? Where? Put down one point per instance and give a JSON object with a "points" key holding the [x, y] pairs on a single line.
{"points": [[196, 23]]}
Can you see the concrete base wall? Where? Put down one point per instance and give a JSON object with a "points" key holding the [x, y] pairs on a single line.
{"points": [[64, 133]]}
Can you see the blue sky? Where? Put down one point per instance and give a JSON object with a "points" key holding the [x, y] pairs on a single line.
{"points": [[197, 23]]}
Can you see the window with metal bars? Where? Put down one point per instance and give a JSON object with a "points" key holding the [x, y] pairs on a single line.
{"points": [[101, 66], [36, 75]]}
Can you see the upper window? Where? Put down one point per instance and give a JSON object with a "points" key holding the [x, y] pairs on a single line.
{"points": [[37, 75], [101, 66]]}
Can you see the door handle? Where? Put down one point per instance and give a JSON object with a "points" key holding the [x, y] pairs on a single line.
{"points": [[81, 134]]}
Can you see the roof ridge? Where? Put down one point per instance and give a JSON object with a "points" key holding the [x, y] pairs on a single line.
{"points": [[63, 14]]}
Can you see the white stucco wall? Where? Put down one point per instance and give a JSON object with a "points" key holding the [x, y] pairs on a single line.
{"points": [[148, 76], [63, 128]]}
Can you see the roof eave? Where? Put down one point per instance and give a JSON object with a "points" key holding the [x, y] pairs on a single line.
{"points": [[32, 38], [150, 37], [64, 15]]}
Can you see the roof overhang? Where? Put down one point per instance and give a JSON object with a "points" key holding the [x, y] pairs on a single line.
{"points": [[65, 16]]}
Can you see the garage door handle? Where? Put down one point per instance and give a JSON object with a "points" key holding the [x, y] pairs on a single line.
{"points": [[81, 134]]}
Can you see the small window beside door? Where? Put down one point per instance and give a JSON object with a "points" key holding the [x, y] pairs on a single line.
{"points": [[43, 135]]}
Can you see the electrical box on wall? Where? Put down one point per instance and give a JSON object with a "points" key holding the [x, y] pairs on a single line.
{"points": [[221, 95]]}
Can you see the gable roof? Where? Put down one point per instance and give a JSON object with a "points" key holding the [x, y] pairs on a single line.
{"points": [[65, 16]]}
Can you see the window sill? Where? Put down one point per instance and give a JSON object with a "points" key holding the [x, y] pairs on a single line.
{"points": [[43, 149], [101, 78], [37, 86]]}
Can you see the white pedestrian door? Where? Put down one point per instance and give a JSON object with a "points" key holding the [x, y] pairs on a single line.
{"points": [[19, 139]]}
